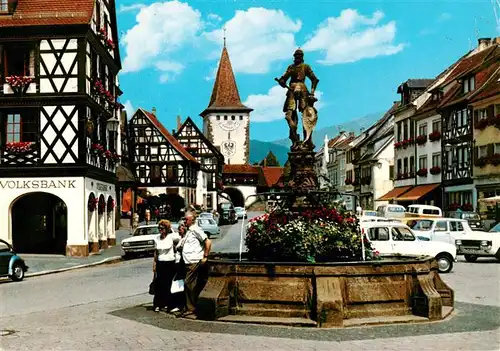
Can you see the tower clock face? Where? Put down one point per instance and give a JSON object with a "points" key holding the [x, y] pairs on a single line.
{"points": [[228, 148], [229, 125]]}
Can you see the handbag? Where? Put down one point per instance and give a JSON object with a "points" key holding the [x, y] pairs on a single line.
{"points": [[177, 286]]}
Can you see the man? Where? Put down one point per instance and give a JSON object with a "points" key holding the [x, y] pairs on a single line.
{"points": [[195, 252], [297, 94]]}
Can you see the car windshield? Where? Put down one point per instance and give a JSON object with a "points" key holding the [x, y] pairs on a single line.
{"points": [[420, 225], [206, 221], [496, 228], [206, 215], [146, 231], [239, 209], [226, 206], [471, 216]]}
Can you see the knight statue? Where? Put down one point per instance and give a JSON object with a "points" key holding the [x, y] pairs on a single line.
{"points": [[298, 97]]}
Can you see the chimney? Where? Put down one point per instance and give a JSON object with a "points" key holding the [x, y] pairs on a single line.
{"points": [[484, 43], [178, 122], [351, 134], [173, 131], [153, 111]]}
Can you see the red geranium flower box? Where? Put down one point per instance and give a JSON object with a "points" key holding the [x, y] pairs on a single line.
{"points": [[421, 139], [422, 172], [435, 170], [435, 136]]}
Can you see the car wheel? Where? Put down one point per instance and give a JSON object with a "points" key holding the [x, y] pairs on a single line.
{"points": [[17, 272], [470, 258], [444, 262], [128, 255]]}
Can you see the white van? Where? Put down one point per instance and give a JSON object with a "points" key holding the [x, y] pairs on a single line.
{"points": [[440, 229], [424, 210], [391, 211]]}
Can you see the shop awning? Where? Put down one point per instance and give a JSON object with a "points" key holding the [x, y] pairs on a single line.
{"points": [[417, 192], [394, 193]]}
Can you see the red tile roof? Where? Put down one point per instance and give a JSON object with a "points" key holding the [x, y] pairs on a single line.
{"points": [[491, 88], [243, 168], [174, 142], [272, 175], [49, 13], [225, 91]]}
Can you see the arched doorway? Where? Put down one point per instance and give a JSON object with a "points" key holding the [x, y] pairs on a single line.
{"points": [[236, 196], [110, 209], [39, 224]]}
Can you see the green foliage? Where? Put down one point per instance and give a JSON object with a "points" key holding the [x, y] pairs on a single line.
{"points": [[324, 234]]}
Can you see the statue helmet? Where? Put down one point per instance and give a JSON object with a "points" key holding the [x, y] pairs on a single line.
{"points": [[298, 52]]}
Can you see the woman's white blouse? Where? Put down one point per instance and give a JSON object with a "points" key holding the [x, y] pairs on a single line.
{"points": [[165, 246]]}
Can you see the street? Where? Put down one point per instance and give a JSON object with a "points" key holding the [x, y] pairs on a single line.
{"points": [[100, 308]]}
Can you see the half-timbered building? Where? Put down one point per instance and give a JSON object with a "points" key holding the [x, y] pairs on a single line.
{"points": [[469, 74], [211, 162], [59, 112], [158, 160]]}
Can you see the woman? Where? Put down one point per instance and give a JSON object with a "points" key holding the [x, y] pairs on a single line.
{"points": [[164, 266], [179, 269]]}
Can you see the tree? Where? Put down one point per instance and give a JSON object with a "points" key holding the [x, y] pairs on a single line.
{"points": [[270, 160]]}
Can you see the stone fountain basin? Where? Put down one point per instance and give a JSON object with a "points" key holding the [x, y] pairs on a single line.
{"points": [[392, 290]]}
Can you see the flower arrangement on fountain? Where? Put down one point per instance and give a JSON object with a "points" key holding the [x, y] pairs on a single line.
{"points": [[19, 147], [324, 234]]}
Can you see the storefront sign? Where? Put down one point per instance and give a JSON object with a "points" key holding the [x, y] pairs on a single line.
{"points": [[37, 184], [101, 187]]}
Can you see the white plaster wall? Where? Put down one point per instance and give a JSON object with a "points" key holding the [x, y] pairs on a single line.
{"points": [[226, 132], [247, 191], [102, 232], [382, 183], [72, 195], [429, 148], [201, 188]]}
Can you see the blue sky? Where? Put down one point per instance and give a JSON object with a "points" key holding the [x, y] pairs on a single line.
{"points": [[360, 50]]}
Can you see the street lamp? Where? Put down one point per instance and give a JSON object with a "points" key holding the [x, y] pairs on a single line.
{"points": [[113, 124], [447, 147]]}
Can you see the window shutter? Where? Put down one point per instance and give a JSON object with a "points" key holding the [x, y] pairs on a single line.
{"points": [[31, 71], [490, 111], [491, 149]]}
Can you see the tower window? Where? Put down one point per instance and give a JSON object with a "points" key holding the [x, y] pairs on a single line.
{"points": [[233, 118], [218, 118], [241, 118], [225, 118]]}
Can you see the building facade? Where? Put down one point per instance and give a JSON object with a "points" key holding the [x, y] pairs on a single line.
{"points": [[59, 119]]}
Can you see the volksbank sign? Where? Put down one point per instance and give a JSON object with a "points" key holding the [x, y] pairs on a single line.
{"points": [[37, 184]]}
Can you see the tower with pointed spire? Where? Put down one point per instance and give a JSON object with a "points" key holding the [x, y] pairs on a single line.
{"points": [[226, 121]]}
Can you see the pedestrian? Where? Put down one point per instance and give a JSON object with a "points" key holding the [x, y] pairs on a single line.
{"points": [[147, 215], [164, 266], [180, 271], [195, 250]]}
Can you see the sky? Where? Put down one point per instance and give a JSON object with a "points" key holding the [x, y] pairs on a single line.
{"points": [[361, 51]]}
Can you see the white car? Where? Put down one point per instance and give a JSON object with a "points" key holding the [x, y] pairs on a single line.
{"points": [[479, 244], [240, 212], [440, 229], [141, 240], [393, 238]]}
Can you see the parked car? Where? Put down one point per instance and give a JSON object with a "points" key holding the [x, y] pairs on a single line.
{"points": [[11, 265], [373, 219], [209, 226], [366, 213], [240, 212], [473, 218], [227, 213], [394, 238], [424, 211], [209, 215], [142, 240], [480, 244], [391, 211], [439, 229]]}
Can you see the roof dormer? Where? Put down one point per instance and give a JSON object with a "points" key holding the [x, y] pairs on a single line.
{"points": [[468, 84]]}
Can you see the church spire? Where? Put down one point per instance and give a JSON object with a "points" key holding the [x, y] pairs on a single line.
{"points": [[225, 95]]}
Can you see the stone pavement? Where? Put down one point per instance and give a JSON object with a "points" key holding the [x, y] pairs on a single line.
{"points": [[42, 264], [96, 326]]}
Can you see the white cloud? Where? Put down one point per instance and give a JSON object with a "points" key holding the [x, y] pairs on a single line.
{"points": [[161, 29], [168, 70], [352, 37], [257, 38], [129, 108], [269, 107], [130, 8], [214, 17], [213, 72]]}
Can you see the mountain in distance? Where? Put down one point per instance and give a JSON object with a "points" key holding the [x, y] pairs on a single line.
{"points": [[259, 150], [354, 125]]}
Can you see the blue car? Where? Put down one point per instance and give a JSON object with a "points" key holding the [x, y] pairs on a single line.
{"points": [[11, 265]]}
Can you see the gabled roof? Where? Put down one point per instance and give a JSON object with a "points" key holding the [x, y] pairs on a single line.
{"points": [[174, 142], [416, 84], [225, 95], [380, 123], [49, 13], [241, 169], [272, 175], [211, 146]]}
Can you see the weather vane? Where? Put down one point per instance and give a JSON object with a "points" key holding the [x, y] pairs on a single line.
{"points": [[224, 29]]}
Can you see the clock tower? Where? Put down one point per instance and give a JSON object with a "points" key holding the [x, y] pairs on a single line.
{"points": [[226, 121]]}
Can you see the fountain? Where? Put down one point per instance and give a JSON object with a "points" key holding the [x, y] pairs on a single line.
{"points": [[307, 263]]}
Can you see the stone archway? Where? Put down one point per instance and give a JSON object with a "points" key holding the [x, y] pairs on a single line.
{"points": [[101, 222], [110, 212], [92, 223], [236, 196], [39, 224]]}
